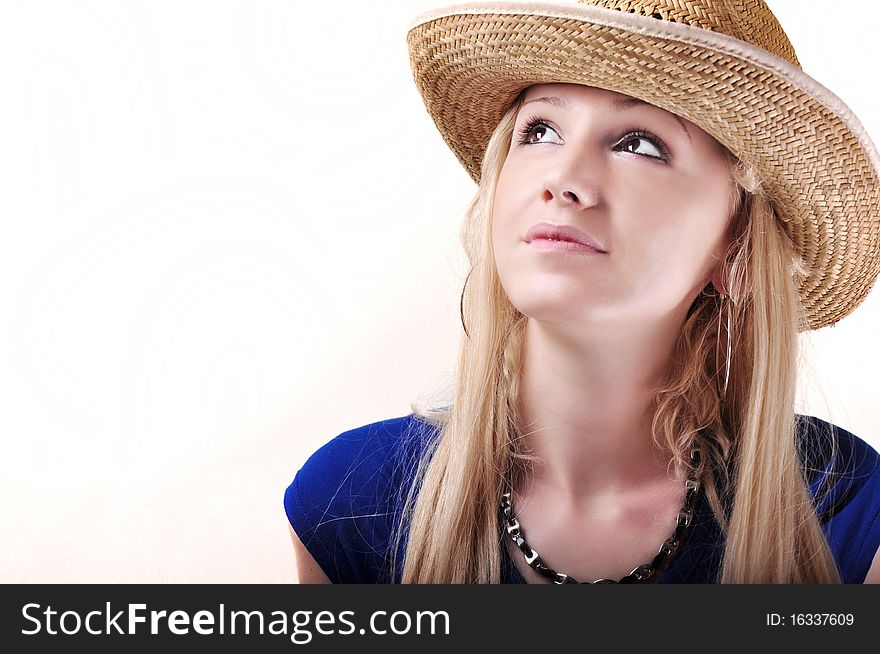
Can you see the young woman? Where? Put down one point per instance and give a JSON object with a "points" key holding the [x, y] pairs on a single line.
{"points": [[665, 200]]}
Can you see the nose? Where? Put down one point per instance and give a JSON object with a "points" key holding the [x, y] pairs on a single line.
{"points": [[566, 197], [572, 180]]}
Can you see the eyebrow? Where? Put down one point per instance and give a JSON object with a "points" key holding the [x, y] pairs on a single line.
{"points": [[617, 103]]}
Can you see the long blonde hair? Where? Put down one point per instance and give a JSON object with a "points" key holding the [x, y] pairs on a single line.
{"points": [[750, 470]]}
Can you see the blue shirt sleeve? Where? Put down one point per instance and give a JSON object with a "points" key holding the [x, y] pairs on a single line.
{"points": [[845, 483], [345, 501]]}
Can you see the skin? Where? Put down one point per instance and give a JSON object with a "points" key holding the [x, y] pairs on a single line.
{"points": [[874, 572], [601, 328], [307, 569]]}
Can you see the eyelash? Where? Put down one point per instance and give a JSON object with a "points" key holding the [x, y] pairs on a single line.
{"points": [[638, 132]]}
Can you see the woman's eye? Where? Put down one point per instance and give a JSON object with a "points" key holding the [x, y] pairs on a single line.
{"points": [[536, 132], [640, 144]]}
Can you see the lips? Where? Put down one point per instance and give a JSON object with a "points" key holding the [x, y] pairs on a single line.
{"points": [[553, 232]]}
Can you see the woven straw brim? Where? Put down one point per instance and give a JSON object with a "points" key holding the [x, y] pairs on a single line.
{"points": [[816, 160]]}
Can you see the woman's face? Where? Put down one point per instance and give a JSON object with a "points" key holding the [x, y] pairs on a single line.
{"points": [[650, 189]]}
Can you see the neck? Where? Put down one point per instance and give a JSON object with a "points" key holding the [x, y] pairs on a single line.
{"points": [[586, 404]]}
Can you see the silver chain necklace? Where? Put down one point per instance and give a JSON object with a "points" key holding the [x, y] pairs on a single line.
{"points": [[642, 574]]}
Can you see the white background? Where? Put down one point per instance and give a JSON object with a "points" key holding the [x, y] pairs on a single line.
{"points": [[229, 232]]}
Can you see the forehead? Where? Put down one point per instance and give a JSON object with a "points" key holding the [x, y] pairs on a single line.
{"points": [[566, 94]]}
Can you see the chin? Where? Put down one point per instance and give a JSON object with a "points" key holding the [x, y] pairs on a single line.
{"points": [[547, 308]]}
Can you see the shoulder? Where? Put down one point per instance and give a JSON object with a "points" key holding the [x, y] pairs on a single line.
{"points": [[813, 431], [831, 454], [359, 458], [343, 501], [843, 474]]}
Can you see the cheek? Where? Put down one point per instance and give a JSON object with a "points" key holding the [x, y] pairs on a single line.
{"points": [[686, 237], [698, 205], [708, 218]]}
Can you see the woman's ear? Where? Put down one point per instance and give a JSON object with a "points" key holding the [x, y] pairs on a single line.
{"points": [[718, 282]]}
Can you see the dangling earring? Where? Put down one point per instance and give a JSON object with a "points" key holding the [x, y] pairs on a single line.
{"points": [[461, 302], [724, 297]]}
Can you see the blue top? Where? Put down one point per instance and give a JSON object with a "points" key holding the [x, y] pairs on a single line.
{"points": [[345, 499]]}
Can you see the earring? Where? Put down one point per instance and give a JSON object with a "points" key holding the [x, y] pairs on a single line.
{"points": [[461, 303], [724, 297]]}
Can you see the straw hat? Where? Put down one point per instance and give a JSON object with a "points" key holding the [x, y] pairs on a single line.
{"points": [[725, 65]]}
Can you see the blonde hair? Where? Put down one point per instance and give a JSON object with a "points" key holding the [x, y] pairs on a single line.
{"points": [[750, 469]]}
